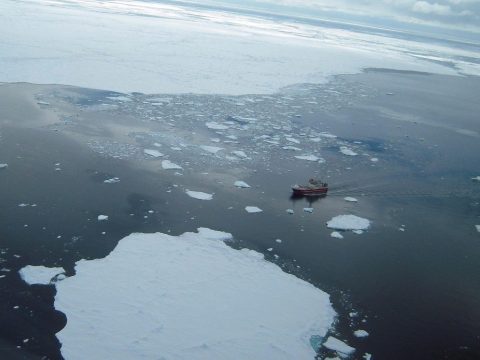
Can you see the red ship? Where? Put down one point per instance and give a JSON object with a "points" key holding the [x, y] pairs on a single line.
{"points": [[313, 188]]}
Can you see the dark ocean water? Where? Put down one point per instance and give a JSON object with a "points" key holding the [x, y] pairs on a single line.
{"points": [[417, 291]]}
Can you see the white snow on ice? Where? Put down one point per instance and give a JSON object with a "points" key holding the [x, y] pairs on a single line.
{"points": [[253, 209], [199, 195], [348, 222], [336, 234], [360, 333], [168, 165], [113, 49], [39, 274], [333, 343], [188, 297], [241, 184], [102, 217]]}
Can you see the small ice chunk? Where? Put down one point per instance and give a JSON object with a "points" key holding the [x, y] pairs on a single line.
{"points": [[22, 205], [157, 144], [327, 135], [307, 157], [336, 235], [216, 126], [290, 211], [291, 148], [358, 232], [338, 345], [309, 210], [154, 153], [240, 154], [350, 199], [168, 165], [41, 275], [374, 159], [241, 184], [348, 222], [3, 166], [278, 241], [253, 209], [270, 249], [367, 356], [43, 103], [211, 149], [347, 151], [199, 195], [102, 217], [476, 178], [295, 141], [478, 228], [216, 235], [112, 180], [360, 333]]}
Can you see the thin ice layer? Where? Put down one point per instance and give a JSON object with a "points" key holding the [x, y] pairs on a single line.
{"points": [[188, 297]]}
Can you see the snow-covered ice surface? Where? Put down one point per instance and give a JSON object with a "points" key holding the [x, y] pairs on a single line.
{"points": [[253, 209], [336, 234], [153, 153], [39, 274], [333, 343], [199, 195], [113, 49], [360, 333], [241, 184], [102, 217], [168, 165], [347, 151], [348, 222], [188, 297]]}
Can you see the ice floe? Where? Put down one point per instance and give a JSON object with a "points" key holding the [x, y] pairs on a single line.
{"points": [[374, 159], [253, 209], [360, 333], [350, 199], [308, 210], [336, 234], [168, 165], [39, 274], [188, 297], [334, 344], [293, 148], [199, 195], [216, 126], [290, 211], [307, 157], [241, 184], [154, 153], [348, 222], [476, 178], [211, 149], [102, 217], [347, 151], [478, 228], [240, 154], [112, 180], [3, 166]]}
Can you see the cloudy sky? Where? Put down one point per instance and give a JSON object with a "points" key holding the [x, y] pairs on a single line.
{"points": [[440, 17]]}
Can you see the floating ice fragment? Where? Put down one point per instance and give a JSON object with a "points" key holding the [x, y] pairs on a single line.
{"points": [[278, 241], [199, 195], [338, 345], [216, 126], [360, 333], [478, 228], [348, 222], [358, 232], [154, 153], [308, 157], [112, 180], [309, 210], [43, 103], [3, 166], [347, 151], [211, 149], [102, 217], [374, 159], [253, 209], [290, 211], [168, 165], [241, 184], [336, 235], [240, 154], [295, 141], [327, 135], [350, 199], [39, 274], [367, 356], [476, 178], [291, 148]]}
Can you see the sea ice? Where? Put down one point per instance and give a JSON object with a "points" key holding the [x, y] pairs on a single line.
{"points": [[154, 153], [102, 217], [188, 297], [338, 345], [374, 159], [347, 151], [240, 154], [288, 147], [290, 211], [360, 333], [308, 157], [476, 178], [241, 184], [211, 149], [336, 234], [253, 209], [168, 165], [293, 140], [216, 126], [350, 199], [309, 210], [199, 195], [39, 274], [477, 227], [348, 222], [3, 166], [112, 180]]}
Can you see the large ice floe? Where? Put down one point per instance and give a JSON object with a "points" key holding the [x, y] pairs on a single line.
{"points": [[192, 296], [348, 222], [39, 275]]}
